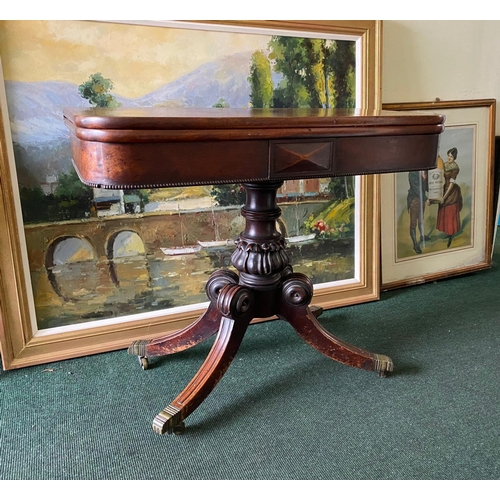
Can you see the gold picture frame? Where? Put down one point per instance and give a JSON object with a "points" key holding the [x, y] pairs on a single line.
{"points": [[22, 344], [451, 244]]}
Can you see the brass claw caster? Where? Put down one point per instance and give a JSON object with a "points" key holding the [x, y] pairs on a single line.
{"points": [[169, 421], [383, 365]]}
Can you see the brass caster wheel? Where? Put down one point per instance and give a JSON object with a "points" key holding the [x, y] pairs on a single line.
{"points": [[143, 361], [178, 429], [316, 311]]}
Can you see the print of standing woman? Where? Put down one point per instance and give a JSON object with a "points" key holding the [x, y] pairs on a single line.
{"points": [[450, 205]]}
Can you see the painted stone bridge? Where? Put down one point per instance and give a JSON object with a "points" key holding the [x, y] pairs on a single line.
{"points": [[97, 267], [155, 230]]}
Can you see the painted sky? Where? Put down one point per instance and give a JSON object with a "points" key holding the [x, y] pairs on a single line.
{"points": [[38, 50]]}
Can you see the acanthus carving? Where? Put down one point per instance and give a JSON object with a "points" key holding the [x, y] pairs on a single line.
{"points": [[260, 259]]}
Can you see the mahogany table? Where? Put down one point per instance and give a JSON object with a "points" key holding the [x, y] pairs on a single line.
{"points": [[162, 147]]}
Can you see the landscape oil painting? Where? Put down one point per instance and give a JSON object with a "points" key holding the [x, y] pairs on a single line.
{"points": [[99, 254]]}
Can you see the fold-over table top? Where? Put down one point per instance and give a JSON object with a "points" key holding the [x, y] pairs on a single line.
{"points": [[154, 147]]}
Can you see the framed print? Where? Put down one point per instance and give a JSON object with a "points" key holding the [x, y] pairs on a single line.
{"points": [[85, 270], [437, 224]]}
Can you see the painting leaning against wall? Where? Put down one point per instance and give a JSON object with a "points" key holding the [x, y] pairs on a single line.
{"points": [[96, 254]]}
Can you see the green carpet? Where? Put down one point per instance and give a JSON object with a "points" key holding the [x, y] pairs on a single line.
{"points": [[282, 411]]}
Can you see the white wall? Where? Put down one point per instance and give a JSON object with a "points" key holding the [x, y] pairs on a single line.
{"points": [[451, 60]]}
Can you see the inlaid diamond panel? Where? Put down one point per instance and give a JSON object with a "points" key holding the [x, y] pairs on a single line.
{"points": [[301, 158]]}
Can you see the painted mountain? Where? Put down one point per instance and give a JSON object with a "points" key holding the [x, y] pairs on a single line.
{"points": [[41, 140]]}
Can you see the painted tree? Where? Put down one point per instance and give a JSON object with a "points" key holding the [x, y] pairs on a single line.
{"points": [[316, 73], [35, 204], [72, 197], [342, 66], [329, 73], [315, 77], [261, 81], [97, 91], [289, 56], [228, 194], [342, 187], [221, 103]]}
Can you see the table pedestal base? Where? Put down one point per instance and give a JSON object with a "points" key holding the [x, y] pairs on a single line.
{"points": [[266, 286]]}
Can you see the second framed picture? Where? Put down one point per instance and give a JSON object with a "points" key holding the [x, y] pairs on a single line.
{"points": [[437, 224]]}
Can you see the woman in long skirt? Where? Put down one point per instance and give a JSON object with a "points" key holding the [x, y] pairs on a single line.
{"points": [[448, 217]]}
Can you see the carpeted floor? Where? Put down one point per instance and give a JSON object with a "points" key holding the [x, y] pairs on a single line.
{"points": [[282, 411]]}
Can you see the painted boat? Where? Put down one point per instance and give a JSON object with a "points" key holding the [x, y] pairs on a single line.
{"points": [[302, 238], [181, 250], [216, 244]]}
